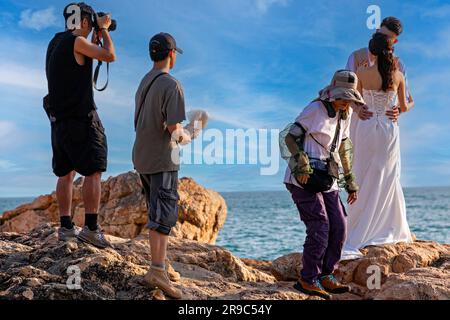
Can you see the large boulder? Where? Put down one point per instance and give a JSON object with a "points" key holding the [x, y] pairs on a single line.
{"points": [[417, 284], [38, 266], [417, 270], [123, 212]]}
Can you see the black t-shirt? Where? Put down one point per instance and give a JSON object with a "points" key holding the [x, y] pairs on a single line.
{"points": [[69, 84]]}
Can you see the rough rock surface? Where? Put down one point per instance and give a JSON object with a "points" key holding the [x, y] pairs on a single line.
{"points": [[409, 271], [35, 266], [202, 212]]}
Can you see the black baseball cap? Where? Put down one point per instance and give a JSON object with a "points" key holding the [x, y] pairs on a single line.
{"points": [[163, 42]]}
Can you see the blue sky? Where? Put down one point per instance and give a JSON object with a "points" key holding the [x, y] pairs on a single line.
{"points": [[249, 63]]}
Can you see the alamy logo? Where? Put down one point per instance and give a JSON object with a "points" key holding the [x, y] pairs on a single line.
{"points": [[74, 280], [74, 20], [231, 146], [374, 280], [374, 20]]}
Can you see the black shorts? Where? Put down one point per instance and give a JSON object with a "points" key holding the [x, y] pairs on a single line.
{"points": [[79, 145], [161, 195]]}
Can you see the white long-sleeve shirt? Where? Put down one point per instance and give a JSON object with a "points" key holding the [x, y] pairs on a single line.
{"points": [[315, 120]]}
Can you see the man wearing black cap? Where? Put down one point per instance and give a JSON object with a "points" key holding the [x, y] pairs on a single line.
{"points": [[158, 115]]}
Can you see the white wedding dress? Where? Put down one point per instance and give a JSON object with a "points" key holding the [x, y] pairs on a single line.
{"points": [[379, 214]]}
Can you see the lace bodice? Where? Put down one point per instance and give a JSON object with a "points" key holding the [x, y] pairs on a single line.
{"points": [[379, 101]]}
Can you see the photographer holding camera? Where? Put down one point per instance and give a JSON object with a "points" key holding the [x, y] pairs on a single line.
{"points": [[78, 138]]}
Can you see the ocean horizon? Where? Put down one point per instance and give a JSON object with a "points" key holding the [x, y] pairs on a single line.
{"points": [[264, 225]]}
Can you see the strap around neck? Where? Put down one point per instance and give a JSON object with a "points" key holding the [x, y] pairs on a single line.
{"points": [[143, 98], [336, 135]]}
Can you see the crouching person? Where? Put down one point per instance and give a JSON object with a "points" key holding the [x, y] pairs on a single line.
{"points": [[315, 145], [159, 111]]}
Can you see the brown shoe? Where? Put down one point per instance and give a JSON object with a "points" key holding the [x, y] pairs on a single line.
{"points": [[173, 275], [314, 289], [330, 284], [157, 278]]}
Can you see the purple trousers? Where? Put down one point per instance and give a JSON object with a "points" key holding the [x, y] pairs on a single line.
{"points": [[325, 219]]}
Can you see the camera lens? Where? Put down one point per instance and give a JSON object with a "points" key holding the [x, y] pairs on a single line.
{"points": [[113, 25]]}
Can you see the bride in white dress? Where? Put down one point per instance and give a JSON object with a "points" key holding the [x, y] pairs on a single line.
{"points": [[379, 215]]}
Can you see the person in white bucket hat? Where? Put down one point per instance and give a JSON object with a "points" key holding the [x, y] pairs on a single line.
{"points": [[344, 86], [313, 146]]}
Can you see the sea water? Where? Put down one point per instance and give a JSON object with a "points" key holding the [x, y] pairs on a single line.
{"points": [[266, 225]]}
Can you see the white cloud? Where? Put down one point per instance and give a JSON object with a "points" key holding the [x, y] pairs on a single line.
{"points": [[21, 49], [6, 165], [188, 73], [17, 75], [22, 65], [264, 5], [420, 136], [437, 46], [6, 128], [39, 19], [119, 96], [9, 134], [442, 167], [229, 117], [436, 12]]}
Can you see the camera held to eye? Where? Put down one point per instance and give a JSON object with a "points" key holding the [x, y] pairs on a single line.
{"points": [[112, 27]]}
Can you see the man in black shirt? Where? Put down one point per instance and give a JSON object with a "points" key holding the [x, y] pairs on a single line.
{"points": [[78, 138]]}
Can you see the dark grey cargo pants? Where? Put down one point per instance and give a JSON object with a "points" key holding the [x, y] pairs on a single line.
{"points": [[162, 200]]}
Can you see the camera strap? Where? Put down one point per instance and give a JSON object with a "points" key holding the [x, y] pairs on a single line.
{"points": [[97, 71], [335, 139]]}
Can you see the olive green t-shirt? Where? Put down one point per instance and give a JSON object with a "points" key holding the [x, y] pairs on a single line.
{"points": [[163, 106]]}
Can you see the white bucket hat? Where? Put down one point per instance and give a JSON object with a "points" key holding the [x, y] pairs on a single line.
{"points": [[344, 86]]}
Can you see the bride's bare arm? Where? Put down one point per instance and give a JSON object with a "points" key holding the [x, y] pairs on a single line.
{"points": [[355, 106], [404, 104], [362, 111]]}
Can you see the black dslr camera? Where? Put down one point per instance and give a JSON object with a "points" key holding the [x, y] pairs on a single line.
{"points": [[112, 27], [87, 9]]}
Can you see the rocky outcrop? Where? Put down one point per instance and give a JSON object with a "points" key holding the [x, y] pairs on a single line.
{"points": [[35, 265], [418, 270], [123, 213], [38, 266]]}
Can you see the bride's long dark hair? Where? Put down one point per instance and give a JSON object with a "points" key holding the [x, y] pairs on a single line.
{"points": [[381, 47]]}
